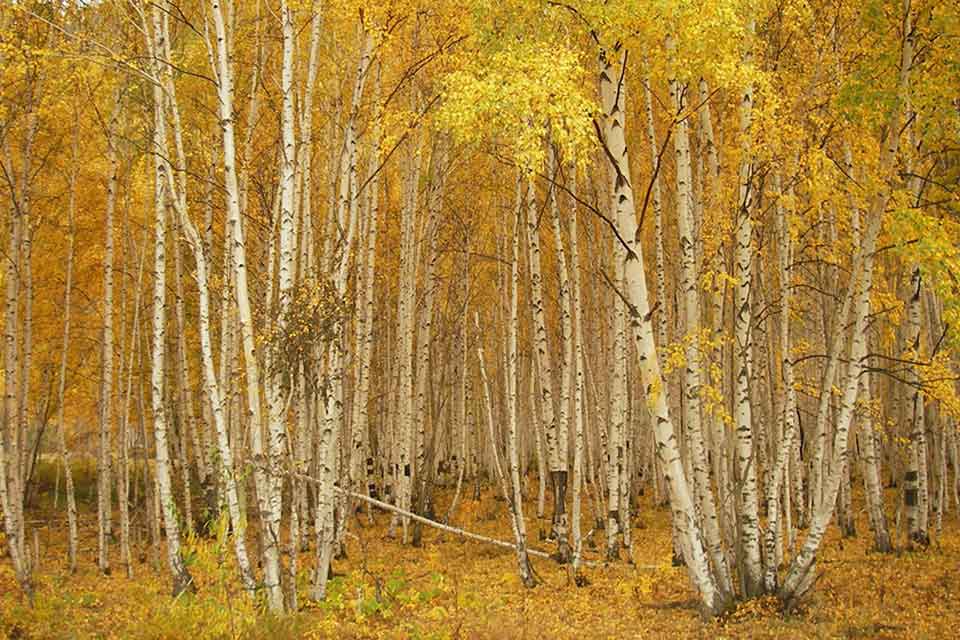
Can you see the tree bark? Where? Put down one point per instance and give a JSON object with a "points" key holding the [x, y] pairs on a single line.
{"points": [[612, 73], [182, 580]]}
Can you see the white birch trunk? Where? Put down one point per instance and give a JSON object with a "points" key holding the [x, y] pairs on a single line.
{"points": [[184, 398], [463, 413], [682, 508], [276, 393], [579, 392], [10, 495], [216, 403], [872, 483], [788, 417], [916, 493], [515, 498], [123, 482], [424, 329], [61, 429], [618, 393], [366, 311], [692, 375], [271, 552], [556, 445], [405, 338], [104, 484], [749, 520], [333, 418], [565, 424], [182, 580]]}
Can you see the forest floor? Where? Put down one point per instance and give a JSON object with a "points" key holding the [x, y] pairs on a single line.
{"points": [[451, 588]]}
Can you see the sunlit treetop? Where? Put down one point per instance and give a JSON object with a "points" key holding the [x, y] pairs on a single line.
{"points": [[517, 98]]}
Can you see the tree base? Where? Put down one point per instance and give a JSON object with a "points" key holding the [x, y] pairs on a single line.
{"points": [[183, 583], [919, 538]]}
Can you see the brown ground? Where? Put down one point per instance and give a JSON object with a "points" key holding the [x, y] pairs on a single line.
{"points": [[456, 589]]}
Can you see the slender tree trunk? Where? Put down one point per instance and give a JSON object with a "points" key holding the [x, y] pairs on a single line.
{"points": [[463, 413], [425, 325], [579, 391], [182, 580], [26, 358], [682, 507], [214, 400], [916, 493], [185, 418], [749, 520], [277, 395], [692, 374], [61, 429], [780, 472], [271, 552], [515, 498], [556, 445], [405, 333], [366, 312], [11, 495], [123, 481], [873, 489], [617, 413], [333, 419], [104, 484]]}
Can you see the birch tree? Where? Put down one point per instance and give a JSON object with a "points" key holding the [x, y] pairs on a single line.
{"points": [[613, 139], [182, 580], [223, 72]]}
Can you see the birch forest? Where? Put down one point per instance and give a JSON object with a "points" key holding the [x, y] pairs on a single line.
{"points": [[480, 319]]}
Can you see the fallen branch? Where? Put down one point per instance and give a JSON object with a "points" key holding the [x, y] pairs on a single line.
{"points": [[463, 533]]}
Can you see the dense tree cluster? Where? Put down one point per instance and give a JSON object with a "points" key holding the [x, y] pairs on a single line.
{"points": [[274, 263]]}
